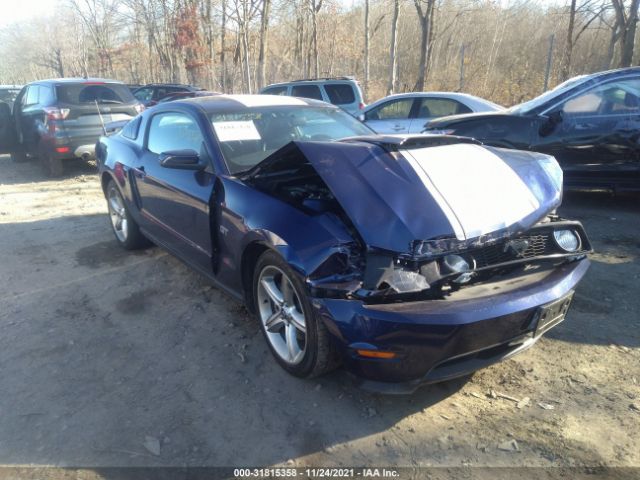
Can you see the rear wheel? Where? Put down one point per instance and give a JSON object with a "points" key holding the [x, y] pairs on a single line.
{"points": [[124, 227], [297, 339], [18, 155]]}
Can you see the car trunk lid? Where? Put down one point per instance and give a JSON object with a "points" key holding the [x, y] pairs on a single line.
{"points": [[93, 105]]}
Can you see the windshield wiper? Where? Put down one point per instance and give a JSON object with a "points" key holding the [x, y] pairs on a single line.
{"points": [[110, 101]]}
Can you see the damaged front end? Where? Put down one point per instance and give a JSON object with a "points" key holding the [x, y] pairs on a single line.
{"points": [[428, 215]]}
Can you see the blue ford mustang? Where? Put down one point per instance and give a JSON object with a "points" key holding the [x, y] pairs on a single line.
{"points": [[407, 259]]}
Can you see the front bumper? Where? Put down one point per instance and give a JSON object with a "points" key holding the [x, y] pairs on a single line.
{"points": [[437, 340]]}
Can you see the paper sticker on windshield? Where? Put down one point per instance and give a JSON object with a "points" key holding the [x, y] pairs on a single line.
{"points": [[234, 131]]}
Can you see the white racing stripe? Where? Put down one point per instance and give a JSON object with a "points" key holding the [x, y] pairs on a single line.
{"points": [[266, 100], [476, 190]]}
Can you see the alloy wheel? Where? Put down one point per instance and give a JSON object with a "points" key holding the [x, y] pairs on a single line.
{"points": [[282, 315], [118, 214]]}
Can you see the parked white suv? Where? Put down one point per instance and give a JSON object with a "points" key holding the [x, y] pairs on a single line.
{"points": [[341, 91]]}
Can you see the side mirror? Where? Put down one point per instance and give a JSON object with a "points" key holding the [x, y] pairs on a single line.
{"points": [[182, 160], [556, 117], [361, 117], [550, 122]]}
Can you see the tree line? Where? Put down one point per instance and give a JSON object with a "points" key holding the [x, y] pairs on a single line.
{"points": [[505, 51]]}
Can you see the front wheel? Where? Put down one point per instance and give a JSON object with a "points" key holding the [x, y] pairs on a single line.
{"points": [[297, 339], [124, 227]]}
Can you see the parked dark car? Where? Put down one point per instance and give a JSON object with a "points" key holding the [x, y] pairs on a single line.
{"points": [[184, 95], [591, 124], [8, 93], [57, 120], [371, 251], [152, 93]]}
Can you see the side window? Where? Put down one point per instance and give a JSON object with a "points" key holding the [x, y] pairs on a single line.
{"points": [[130, 130], [173, 131], [393, 110], [340, 93], [613, 98], [46, 96], [144, 94], [275, 91], [306, 91], [440, 107], [31, 98]]}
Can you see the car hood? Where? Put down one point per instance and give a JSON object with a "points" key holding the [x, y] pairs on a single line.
{"points": [[398, 196], [442, 122]]}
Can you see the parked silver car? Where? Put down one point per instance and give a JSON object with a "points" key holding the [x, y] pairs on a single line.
{"points": [[408, 112]]}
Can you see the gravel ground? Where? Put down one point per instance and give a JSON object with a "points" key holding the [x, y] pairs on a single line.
{"points": [[111, 358]]}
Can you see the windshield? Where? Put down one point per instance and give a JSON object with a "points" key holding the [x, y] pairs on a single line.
{"points": [[536, 102], [249, 136]]}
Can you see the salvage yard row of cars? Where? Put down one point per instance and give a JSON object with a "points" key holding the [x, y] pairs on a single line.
{"points": [[407, 258]]}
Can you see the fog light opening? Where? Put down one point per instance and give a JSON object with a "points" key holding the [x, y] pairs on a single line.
{"points": [[567, 240]]}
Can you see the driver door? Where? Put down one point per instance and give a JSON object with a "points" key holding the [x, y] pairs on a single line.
{"points": [[596, 134], [7, 128], [175, 202]]}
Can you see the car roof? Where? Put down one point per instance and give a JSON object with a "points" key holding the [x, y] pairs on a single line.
{"points": [[453, 95], [610, 72], [246, 102], [314, 81], [76, 80], [182, 85]]}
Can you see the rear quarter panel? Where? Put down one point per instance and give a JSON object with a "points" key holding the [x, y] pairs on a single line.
{"points": [[116, 157]]}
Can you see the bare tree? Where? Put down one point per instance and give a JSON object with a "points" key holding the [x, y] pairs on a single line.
{"points": [[264, 42], [393, 61], [580, 18], [366, 47], [626, 21], [314, 8], [425, 16], [223, 46]]}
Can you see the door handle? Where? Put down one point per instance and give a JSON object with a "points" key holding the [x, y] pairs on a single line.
{"points": [[139, 171]]}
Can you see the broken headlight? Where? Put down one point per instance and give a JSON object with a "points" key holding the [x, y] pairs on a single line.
{"points": [[406, 281], [384, 275], [453, 264]]}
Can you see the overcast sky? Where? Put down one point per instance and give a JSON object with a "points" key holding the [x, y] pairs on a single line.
{"points": [[17, 10]]}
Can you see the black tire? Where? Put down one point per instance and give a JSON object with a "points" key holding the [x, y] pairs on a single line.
{"points": [[133, 239], [52, 167], [18, 155], [320, 353]]}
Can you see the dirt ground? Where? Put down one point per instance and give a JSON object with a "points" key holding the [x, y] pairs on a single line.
{"points": [[111, 358]]}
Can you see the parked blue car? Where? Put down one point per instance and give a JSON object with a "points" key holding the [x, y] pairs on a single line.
{"points": [[409, 260]]}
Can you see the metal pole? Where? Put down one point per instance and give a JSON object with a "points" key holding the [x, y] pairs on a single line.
{"points": [[549, 55]]}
